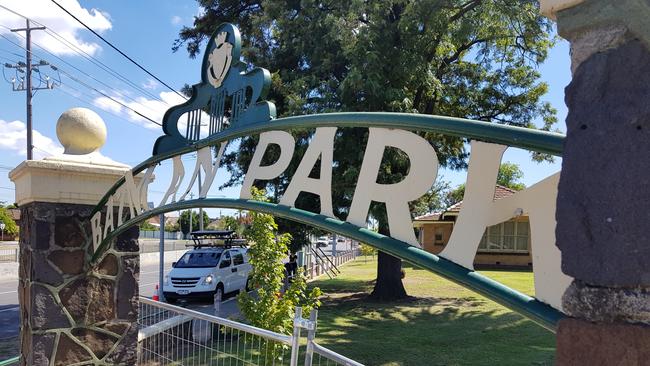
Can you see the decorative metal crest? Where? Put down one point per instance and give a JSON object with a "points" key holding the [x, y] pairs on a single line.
{"points": [[227, 95]]}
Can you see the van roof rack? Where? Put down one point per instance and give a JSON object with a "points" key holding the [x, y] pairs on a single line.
{"points": [[215, 239]]}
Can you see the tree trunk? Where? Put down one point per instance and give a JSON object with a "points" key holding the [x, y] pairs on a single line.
{"points": [[389, 284]]}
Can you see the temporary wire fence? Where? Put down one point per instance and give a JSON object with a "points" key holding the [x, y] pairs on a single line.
{"points": [[171, 335]]}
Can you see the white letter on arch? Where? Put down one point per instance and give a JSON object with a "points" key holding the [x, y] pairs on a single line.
{"points": [[422, 173], [204, 160], [255, 171], [480, 210], [177, 178], [322, 145]]}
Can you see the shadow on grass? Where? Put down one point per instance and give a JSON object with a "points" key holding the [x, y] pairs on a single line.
{"points": [[430, 331], [345, 285]]}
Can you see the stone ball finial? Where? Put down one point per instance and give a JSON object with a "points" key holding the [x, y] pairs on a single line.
{"points": [[80, 131]]}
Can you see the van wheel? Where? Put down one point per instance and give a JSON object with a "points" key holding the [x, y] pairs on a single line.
{"points": [[218, 293], [248, 285]]}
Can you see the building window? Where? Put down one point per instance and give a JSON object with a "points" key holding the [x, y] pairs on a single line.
{"points": [[508, 237], [438, 238]]}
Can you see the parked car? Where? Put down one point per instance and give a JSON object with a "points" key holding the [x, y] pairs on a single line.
{"points": [[322, 241], [207, 270]]}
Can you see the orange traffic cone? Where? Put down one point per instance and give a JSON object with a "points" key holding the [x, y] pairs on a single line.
{"points": [[155, 296]]}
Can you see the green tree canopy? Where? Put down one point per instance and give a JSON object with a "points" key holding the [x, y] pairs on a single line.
{"points": [[464, 58], [184, 221], [273, 305], [509, 176], [147, 226], [11, 228]]}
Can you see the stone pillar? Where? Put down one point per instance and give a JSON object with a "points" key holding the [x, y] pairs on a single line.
{"points": [[72, 311], [603, 203]]}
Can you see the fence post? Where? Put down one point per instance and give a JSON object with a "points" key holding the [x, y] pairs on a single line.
{"points": [[311, 334], [295, 339], [217, 303]]}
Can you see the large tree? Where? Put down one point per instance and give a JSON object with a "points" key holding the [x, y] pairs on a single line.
{"points": [[184, 221], [464, 58], [509, 176]]}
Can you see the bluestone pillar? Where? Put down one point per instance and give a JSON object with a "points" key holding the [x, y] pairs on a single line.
{"points": [[603, 203], [72, 311]]}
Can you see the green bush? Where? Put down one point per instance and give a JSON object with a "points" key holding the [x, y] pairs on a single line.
{"points": [[11, 229], [269, 308]]}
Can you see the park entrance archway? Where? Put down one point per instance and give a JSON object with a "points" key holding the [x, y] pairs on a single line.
{"points": [[229, 103]]}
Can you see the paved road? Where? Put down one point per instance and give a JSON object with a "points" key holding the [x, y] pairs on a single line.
{"points": [[148, 279], [8, 321]]}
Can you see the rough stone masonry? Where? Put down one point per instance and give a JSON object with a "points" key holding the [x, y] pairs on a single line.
{"points": [[72, 312], [603, 203]]}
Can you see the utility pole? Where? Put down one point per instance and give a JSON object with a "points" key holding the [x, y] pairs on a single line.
{"points": [[191, 197], [28, 76], [200, 208]]}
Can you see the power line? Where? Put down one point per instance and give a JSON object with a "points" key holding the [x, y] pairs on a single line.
{"points": [[85, 55], [56, 68], [27, 87], [10, 52], [118, 50], [100, 64], [47, 152], [76, 68], [63, 88], [104, 94]]}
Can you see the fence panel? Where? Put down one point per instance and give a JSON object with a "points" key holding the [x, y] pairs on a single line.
{"points": [[173, 335], [9, 255]]}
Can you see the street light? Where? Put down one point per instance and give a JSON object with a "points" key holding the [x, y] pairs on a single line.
{"points": [[2, 228]]}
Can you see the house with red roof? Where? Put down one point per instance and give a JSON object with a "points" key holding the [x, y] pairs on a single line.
{"points": [[503, 245]]}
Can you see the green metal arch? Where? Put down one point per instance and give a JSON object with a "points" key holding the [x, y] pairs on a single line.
{"points": [[528, 306], [529, 139]]}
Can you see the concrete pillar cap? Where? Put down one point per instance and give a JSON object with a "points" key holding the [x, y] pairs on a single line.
{"points": [[550, 7]]}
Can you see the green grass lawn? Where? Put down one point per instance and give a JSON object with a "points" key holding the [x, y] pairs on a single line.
{"points": [[442, 324]]}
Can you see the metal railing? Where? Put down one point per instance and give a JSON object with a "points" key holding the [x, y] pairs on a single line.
{"points": [[170, 334], [316, 266], [315, 354], [151, 246], [9, 254], [155, 234]]}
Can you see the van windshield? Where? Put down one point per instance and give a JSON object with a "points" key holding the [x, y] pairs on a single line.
{"points": [[198, 260]]}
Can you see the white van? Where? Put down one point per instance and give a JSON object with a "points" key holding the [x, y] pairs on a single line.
{"points": [[206, 270]]}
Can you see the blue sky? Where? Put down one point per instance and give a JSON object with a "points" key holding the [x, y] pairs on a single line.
{"points": [[145, 30]]}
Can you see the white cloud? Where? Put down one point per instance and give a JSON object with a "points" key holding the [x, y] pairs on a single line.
{"points": [[176, 20], [152, 108], [56, 20], [150, 84], [107, 104], [13, 137]]}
